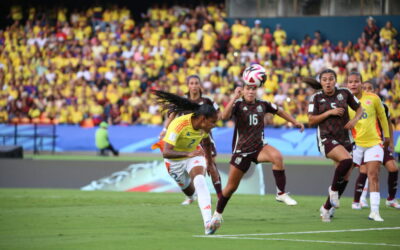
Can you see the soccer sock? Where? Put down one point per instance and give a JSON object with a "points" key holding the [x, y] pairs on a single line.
{"points": [[375, 199], [342, 187], [392, 184], [203, 197], [360, 183], [365, 191], [328, 204], [341, 170], [221, 204], [218, 188], [280, 180]]}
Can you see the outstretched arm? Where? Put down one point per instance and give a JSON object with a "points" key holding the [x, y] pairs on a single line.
{"points": [[226, 114], [289, 118]]}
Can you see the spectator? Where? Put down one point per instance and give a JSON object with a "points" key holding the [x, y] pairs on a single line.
{"points": [[103, 142]]}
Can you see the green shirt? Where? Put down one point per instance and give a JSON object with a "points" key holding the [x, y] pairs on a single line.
{"points": [[102, 138]]}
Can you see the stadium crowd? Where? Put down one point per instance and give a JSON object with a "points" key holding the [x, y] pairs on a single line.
{"points": [[86, 66]]}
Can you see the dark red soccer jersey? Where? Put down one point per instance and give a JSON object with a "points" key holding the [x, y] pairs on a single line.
{"points": [[248, 135], [333, 126]]}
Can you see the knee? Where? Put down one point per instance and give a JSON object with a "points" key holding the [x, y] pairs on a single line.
{"points": [[277, 160], [230, 189]]}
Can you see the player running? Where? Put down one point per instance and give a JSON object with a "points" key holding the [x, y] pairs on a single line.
{"points": [[328, 110], [195, 95], [185, 159], [388, 160], [248, 144]]}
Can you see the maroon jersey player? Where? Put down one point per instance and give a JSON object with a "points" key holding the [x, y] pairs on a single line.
{"points": [[248, 144], [328, 110]]}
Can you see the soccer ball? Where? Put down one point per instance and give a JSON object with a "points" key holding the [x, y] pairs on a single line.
{"points": [[254, 75]]}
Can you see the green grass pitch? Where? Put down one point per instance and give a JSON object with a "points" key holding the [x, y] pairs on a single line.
{"points": [[72, 219]]}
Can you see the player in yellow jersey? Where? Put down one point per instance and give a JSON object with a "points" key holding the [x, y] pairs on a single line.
{"points": [[361, 189], [367, 136], [185, 159]]}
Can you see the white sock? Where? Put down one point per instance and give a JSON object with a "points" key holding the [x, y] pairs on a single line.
{"points": [[203, 197], [374, 199], [365, 191]]}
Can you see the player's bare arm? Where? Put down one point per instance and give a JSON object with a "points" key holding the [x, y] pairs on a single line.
{"points": [[226, 114], [353, 121], [168, 121], [289, 118], [170, 153]]}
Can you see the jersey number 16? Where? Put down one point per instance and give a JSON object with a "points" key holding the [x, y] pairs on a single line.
{"points": [[253, 119]]}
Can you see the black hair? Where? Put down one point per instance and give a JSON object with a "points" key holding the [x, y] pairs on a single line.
{"points": [[177, 104], [355, 73], [312, 82], [326, 71]]}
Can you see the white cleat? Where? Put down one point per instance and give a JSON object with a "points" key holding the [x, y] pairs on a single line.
{"points": [[356, 206], [393, 203], [208, 230], [375, 216], [324, 213], [216, 221], [189, 200], [334, 198], [285, 198], [364, 203]]}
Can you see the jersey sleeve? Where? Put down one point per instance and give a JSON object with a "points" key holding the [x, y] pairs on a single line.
{"points": [[270, 107], [352, 100], [387, 111], [313, 105], [172, 134], [380, 111], [235, 109]]}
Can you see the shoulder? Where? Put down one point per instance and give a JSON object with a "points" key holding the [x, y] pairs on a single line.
{"points": [[343, 89], [316, 95], [180, 122], [238, 101]]}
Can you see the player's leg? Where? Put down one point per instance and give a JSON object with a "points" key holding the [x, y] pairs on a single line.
{"points": [[271, 154], [393, 171], [344, 161], [373, 158], [359, 187]]}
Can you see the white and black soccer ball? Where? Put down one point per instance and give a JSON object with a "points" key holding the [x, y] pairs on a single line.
{"points": [[254, 75]]}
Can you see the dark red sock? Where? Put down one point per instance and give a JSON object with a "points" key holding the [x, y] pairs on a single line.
{"points": [[221, 204], [342, 187], [218, 188], [360, 183], [341, 170], [280, 180], [392, 184], [327, 204]]}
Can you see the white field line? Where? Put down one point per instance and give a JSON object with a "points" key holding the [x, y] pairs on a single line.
{"points": [[312, 241], [306, 232]]}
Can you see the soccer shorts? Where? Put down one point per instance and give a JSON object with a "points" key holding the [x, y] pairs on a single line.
{"points": [[326, 145], [362, 154], [243, 161], [387, 155], [179, 170]]}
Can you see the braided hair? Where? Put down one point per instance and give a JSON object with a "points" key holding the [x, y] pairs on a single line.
{"points": [[177, 104]]}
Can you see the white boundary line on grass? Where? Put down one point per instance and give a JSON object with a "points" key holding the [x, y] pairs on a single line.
{"points": [[312, 241], [306, 232]]}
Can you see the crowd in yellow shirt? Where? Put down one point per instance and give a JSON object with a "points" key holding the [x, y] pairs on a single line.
{"points": [[86, 66]]}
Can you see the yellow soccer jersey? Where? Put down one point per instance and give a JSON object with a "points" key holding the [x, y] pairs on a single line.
{"points": [[367, 133], [182, 136]]}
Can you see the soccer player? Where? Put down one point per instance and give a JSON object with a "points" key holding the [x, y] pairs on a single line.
{"points": [[195, 95], [185, 160], [328, 110], [389, 162], [368, 138], [248, 145]]}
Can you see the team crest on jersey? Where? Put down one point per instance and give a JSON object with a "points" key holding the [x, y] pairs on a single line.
{"points": [[340, 97], [245, 108], [259, 109], [238, 160]]}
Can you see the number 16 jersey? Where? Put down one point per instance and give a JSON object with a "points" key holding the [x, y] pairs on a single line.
{"points": [[248, 135]]}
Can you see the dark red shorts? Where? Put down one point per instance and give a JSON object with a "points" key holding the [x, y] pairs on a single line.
{"points": [[243, 161], [387, 155], [327, 145]]}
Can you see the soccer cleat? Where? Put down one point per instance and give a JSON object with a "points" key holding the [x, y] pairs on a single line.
{"points": [[364, 203], [286, 199], [216, 221], [334, 198], [375, 216], [324, 213], [209, 229], [393, 203], [356, 206], [189, 200]]}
